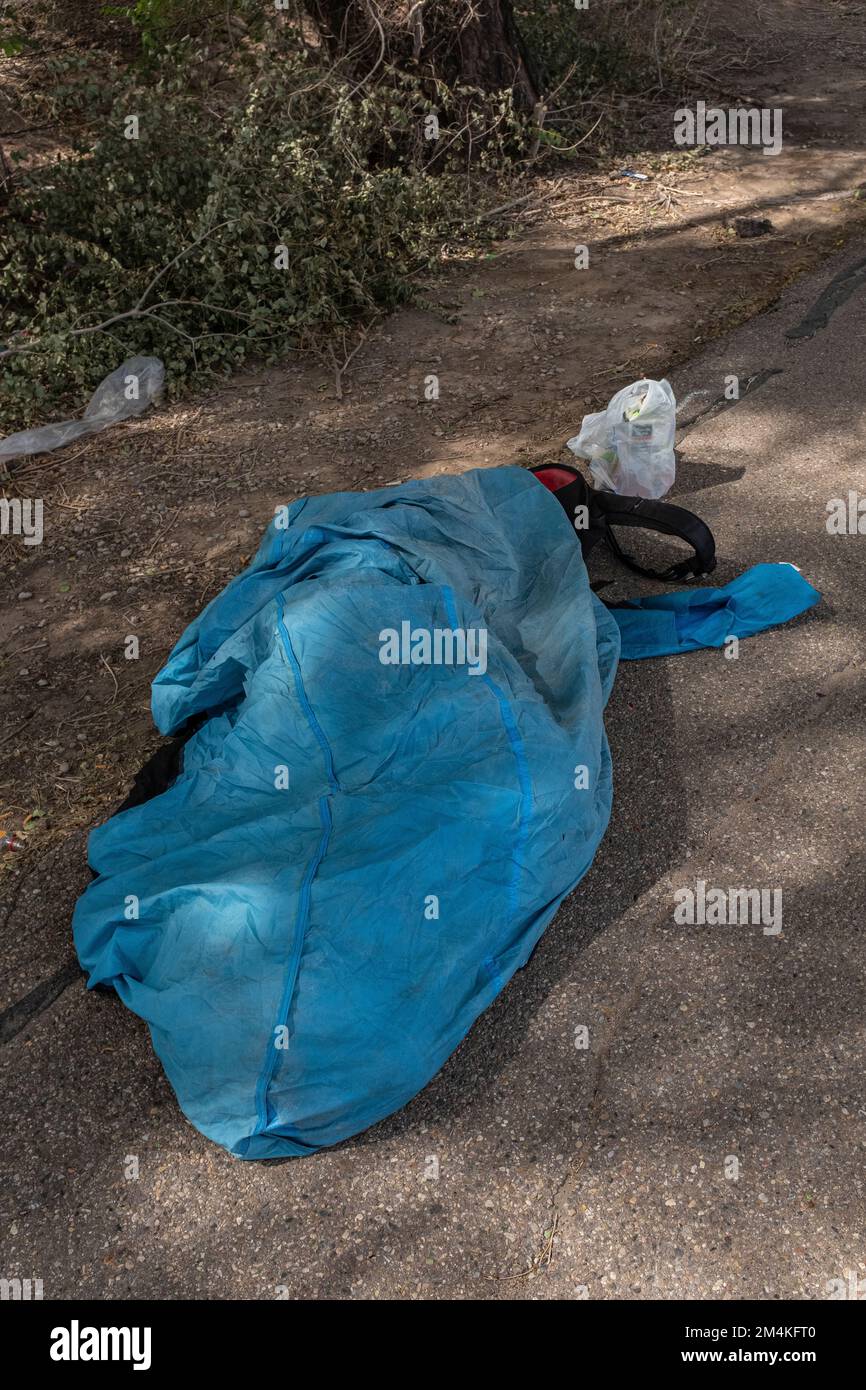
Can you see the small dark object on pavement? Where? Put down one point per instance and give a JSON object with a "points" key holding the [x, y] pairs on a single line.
{"points": [[752, 226]]}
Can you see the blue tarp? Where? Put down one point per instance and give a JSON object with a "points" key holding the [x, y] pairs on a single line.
{"points": [[403, 772]]}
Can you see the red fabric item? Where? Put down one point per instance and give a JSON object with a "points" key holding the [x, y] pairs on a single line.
{"points": [[554, 477]]}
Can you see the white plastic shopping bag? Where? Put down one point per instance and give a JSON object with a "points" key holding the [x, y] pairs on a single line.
{"points": [[630, 445]]}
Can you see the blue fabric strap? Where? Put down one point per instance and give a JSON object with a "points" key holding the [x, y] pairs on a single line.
{"points": [[666, 623]]}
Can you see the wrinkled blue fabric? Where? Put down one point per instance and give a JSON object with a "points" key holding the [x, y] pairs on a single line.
{"points": [[307, 957]]}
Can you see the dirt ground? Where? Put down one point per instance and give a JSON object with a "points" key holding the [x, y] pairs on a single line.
{"points": [[148, 521]]}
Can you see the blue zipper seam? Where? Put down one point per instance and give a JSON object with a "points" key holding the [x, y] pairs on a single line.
{"points": [[266, 1075]]}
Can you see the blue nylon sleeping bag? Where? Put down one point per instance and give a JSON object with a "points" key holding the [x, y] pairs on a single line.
{"points": [[365, 841]]}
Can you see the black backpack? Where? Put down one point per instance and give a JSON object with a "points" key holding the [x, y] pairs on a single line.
{"points": [[603, 511]]}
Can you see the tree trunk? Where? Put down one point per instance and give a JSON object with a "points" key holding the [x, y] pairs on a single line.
{"points": [[486, 52], [475, 42], [6, 176]]}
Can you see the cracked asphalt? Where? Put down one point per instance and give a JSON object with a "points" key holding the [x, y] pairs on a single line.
{"points": [[709, 1140]]}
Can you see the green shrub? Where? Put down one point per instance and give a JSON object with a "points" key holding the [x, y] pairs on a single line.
{"points": [[621, 48], [158, 21], [196, 207]]}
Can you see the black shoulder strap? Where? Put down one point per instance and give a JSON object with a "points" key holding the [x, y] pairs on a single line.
{"points": [[665, 518], [607, 510]]}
